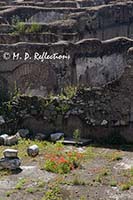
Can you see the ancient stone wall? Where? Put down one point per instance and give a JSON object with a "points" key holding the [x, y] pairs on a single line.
{"points": [[103, 22], [91, 63], [103, 114], [89, 55]]}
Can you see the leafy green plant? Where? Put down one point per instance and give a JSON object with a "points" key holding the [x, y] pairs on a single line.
{"points": [[34, 28], [76, 135], [41, 184], [125, 186], [113, 156], [89, 153], [113, 183], [101, 174], [83, 198], [98, 178], [4, 172], [59, 161], [78, 181], [63, 108], [67, 93], [70, 91], [9, 193], [20, 27], [53, 193], [20, 184], [131, 172], [32, 190], [129, 179], [16, 92]]}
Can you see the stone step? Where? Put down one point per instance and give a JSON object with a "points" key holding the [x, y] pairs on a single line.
{"points": [[10, 153], [81, 142]]}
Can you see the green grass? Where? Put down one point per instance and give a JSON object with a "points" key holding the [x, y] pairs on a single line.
{"points": [[131, 172], [53, 193], [23, 144], [20, 27], [20, 184], [104, 172], [113, 183], [34, 28], [113, 156], [41, 184], [32, 190], [9, 193], [78, 181], [90, 153], [4, 173], [83, 198], [125, 186]]}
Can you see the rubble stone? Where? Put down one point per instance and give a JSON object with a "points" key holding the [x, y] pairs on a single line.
{"points": [[9, 163], [2, 121], [12, 140], [24, 133], [10, 153], [56, 136], [33, 150], [3, 139]]}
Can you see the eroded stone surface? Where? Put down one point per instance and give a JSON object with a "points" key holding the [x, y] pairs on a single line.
{"points": [[3, 139], [33, 150], [11, 140], [56, 136], [24, 133], [103, 61], [10, 153], [10, 163]]}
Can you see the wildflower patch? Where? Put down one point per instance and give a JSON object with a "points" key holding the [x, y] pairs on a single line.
{"points": [[61, 161]]}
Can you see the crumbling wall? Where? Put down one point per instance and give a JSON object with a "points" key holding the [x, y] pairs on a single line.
{"points": [[103, 22], [101, 70], [103, 114], [91, 63]]}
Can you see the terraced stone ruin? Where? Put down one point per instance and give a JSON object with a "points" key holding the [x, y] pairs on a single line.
{"points": [[47, 46]]}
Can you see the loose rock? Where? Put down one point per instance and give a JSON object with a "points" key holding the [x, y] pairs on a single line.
{"points": [[10, 153], [2, 121], [3, 139], [33, 150], [41, 136], [56, 136], [24, 133], [12, 140], [9, 163], [104, 122]]}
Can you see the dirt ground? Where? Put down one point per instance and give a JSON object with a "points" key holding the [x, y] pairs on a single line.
{"points": [[105, 176]]}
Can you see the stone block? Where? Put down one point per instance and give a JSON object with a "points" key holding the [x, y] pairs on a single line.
{"points": [[3, 139], [10, 153], [41, 136], [9, 163], [24, 133], [56, 136], [2, 121], [12, 140], [33, 150]]}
